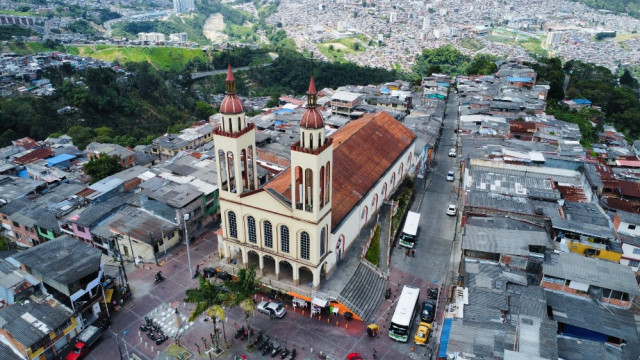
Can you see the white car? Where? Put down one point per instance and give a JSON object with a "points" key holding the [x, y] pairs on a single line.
{"points": [[451, 176], [274, 310], [452, 210], [452, 152]]}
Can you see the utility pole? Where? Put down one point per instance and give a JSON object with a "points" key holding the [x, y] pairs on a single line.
{"points": [[155, 254], [122, 269], [132, 253]]}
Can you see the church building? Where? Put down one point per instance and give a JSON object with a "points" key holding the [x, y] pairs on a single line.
{"points": [[300, 224]]}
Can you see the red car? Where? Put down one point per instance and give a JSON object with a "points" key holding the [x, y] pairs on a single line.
{"points": [[354, 356]]}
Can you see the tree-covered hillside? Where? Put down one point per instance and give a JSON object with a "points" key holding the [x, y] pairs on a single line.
{"points": [[631, 7]]}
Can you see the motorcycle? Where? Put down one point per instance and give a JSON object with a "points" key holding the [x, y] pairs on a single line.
{"points": [[160, 339], [239, 332], [257, 339], [267, 349], [159, 277], [284, 353], [244, 335], [144, 328], [432, 293], [292, 355], [263, 343], [150, 335], [275, 348]]}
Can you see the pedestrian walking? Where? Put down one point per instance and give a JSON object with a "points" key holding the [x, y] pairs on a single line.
{"points": [[413, 253]]}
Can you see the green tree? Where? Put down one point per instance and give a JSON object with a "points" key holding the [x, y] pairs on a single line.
{"points": [[628, 80], [208, 297], [274, 100], [101, 166], [482, 64], [204, 110], [447, 57]]}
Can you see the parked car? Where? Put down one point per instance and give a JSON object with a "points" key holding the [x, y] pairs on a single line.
{"points": [[224, 276], [452, 153], [451, 176], [354, 356], [274, 310], [452, 210], [428, 311], [209, 272], [422, 334]]}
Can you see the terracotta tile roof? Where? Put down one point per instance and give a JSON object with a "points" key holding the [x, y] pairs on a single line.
{"points": [[363, 150], [37, 154]]}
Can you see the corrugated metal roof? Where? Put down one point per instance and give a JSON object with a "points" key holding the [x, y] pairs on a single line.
{"points": [[592, 271], [502, 241], [64, 259], [588, 314], [29, 321]]}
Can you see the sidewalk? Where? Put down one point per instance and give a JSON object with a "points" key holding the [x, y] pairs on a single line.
{"points": [[385, 235]]}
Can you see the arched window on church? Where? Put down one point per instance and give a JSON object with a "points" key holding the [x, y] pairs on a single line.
{"points": [[222, 170], [305, 243], [322, 187], [230, 128], [323, 241], [239, 124], [284, 239], [268, 234], [308, 191], [251, 228], [311, 141], [233, 227], [327, 183]]}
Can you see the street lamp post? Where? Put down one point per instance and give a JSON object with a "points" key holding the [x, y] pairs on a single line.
{"points": [[185, 217]]}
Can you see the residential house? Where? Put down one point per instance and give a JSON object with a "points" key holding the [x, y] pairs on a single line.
{"points": [[70, 271], [15, 284], [504, 240], [141, 235], [127, 156], [627, 226], [175, 203], [36, 330], [344, 102], [170, 145]]}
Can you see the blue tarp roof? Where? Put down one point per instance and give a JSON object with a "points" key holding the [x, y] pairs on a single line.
{"points": [[384, 91], [283, 111], [444, 338], [59, 158], [443, 84], [581, 101], [23, 174], [518, 79]]}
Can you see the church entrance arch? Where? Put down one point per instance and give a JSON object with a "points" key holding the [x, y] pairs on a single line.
{"points": [[253, 258], [286, 271], [269, 265], [305, 276]]}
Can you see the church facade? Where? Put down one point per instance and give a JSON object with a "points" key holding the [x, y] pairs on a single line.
{"points": [[301, 223]]}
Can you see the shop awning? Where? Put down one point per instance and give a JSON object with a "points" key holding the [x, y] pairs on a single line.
{"points": [[319, 302]]}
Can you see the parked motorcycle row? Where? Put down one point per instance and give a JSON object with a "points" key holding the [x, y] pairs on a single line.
{"points": [[153, 331], [267, 346]]}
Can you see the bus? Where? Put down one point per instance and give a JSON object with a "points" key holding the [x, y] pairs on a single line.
{"points": [[405, 313], [410, 230]]}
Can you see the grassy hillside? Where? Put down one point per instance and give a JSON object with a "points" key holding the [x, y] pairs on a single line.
{"points": [[161, 58]]}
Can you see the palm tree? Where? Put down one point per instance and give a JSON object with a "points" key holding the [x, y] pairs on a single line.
{"points": [[217, 312], [242, 291], [207, 297]]}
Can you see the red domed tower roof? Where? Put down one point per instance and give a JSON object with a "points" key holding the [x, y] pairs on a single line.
{"points": [[231, 104], [312, 119]]}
